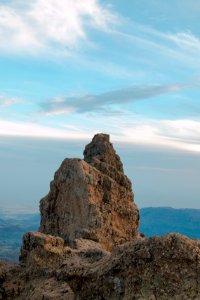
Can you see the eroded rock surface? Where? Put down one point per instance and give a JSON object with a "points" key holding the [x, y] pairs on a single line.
{"points": [[161, 268], [91, 198]]}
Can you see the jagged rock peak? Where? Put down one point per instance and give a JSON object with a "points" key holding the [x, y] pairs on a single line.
{"points": [[91, 199], [100, 150]]}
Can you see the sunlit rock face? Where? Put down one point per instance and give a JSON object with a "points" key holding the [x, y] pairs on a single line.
{"points": [[91, 198]]}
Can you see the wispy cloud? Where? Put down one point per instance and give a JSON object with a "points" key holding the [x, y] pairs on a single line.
{"points": [[113, 100], [91, 102], [38, 25], [8, 101], [181, 47]]}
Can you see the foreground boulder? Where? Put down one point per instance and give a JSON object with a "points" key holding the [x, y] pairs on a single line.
{"points": [[161, 268], [91, 199]]}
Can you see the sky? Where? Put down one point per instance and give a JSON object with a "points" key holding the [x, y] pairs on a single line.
{"points": [[73, 68]]}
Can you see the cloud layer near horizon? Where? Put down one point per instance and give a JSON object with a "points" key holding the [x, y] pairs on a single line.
{"points": [[171, 134]]}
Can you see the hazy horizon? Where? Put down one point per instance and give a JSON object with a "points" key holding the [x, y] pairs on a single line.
{"points": [[160, 177]]}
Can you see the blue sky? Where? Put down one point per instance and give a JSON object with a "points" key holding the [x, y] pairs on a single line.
{"points": [[72, 68]]}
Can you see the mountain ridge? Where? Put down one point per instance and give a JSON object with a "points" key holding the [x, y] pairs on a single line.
{"points": [[163, 220]]}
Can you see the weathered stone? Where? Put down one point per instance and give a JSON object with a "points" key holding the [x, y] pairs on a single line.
{"points": [[91, 198], [37, 247], [101, 154], [161, 268]]}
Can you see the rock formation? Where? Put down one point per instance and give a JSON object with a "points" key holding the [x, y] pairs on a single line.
{"points": [[88, 211], [161, 268], [91, 198]]}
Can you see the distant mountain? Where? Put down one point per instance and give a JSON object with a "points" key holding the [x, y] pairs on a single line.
{"points": [[162, 220], [153, 221], [12, 228]]}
